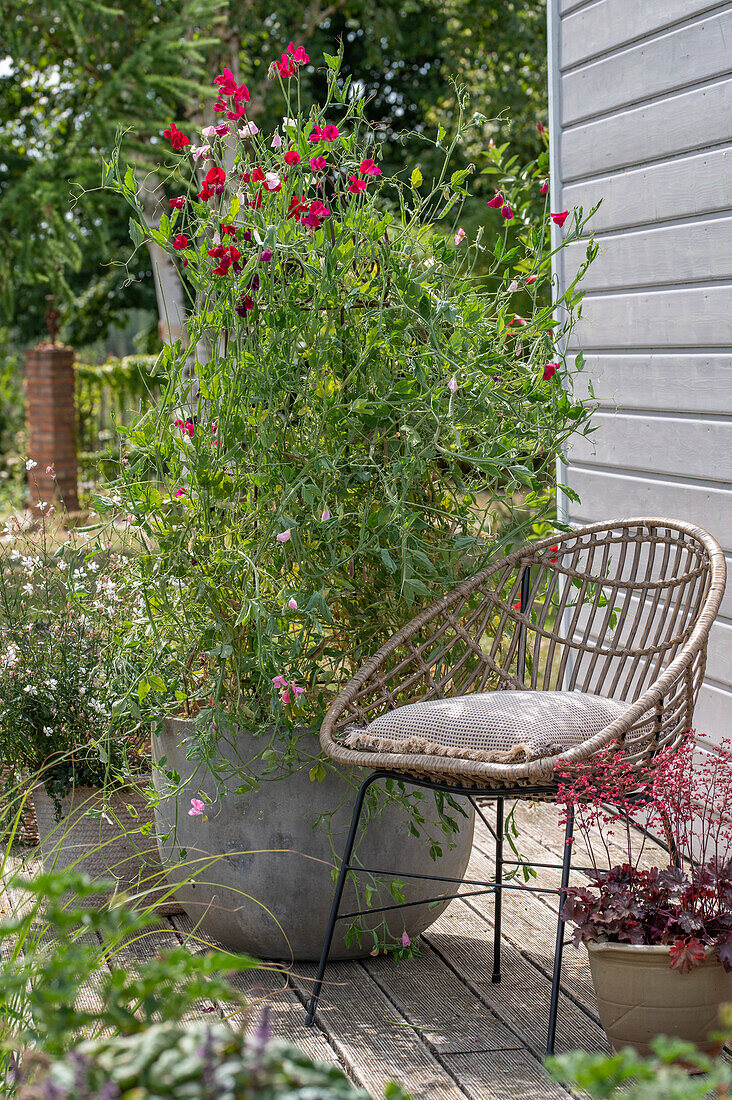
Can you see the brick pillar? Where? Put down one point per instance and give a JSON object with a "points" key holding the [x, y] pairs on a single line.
{"points": [[51, 416]]}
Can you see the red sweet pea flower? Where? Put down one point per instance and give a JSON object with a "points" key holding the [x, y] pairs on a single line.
{"points": [[355, 185], [544, 189], [223, 268], [246, 303], [241, 95], [369, 167], [496, 202], [230, 229], [506, 212], [292, 157], [560, 219], [177, 139], [239, 112], [227, 82], [317, 164], [257, 175], [298, 55], [258, 199], [285, 67], [213, 183], [549, 371], [530, 279], [296, 207], [186, 427], [316, 215], [180, 242], [178, 203], [316, 135], [217, 251], [541, 128]]}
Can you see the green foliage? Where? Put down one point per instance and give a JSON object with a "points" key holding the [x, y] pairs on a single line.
{"points": [[626, 1074], [326, 461], [198, 1062]]}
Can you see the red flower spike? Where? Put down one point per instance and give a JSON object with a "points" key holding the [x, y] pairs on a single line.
{"points": [[560, 219]]}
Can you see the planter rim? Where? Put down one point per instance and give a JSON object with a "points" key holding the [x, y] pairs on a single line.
{"points": [[661, 949]]}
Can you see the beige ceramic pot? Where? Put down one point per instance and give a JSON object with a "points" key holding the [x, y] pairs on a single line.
{"points": [[639, 996], [108, 837]]}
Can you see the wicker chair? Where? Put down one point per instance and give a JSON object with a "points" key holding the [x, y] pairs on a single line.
{"points": [[618, 610]]}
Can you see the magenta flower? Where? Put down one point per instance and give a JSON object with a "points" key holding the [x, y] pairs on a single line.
{"points": [[180, 492], [284, 536], [459, 237], [405, 940], [265, 255], [549, 371], [544, 189], [285, 698], [279, 682], [315, 215], [369, 167], [559, 219], [197, 808], [298, 55], [292, 157], [496, 202], [506, 212], [355, 185], [317, 164], [284, 67], [330, 133], [292, 604]]}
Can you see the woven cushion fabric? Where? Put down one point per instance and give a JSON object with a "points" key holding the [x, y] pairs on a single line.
{"points": [[495, 726]]}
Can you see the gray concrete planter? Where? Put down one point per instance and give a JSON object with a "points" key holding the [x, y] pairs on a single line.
{"points": [[258, 874], [639, 996]]}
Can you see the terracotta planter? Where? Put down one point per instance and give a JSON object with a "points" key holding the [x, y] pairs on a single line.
{"points": [[639, 996], [259, 873], [111, 846]]}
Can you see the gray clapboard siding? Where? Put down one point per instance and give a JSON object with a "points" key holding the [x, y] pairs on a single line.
{"points": [[678, 382], [687, 447], [678, 188], [685, 121], [600, 27], [655, 319], [608, 493], [697, 52], [694, 251]]}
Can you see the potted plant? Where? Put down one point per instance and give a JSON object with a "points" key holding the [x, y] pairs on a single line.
{"points": [[659, 938], [359, 417], [62, 671]]}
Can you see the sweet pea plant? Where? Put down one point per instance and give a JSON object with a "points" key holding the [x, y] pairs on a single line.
{"points": [[354, 419], [687, 797]]}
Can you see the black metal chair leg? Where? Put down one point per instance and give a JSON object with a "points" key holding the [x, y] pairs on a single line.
{"points": [[498, 902], [340, 884], [559, 946]]}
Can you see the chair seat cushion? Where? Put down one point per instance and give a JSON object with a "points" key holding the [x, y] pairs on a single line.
{"points": [[495, 726]]}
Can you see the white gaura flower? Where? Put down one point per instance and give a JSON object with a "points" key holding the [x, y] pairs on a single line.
{"points": [[30, 690], [30, 464], [28, 589]]}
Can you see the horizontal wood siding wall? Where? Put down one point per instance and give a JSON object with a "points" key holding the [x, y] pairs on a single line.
{"points": [[641, 117]]}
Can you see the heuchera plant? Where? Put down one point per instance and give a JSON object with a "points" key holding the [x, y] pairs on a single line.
{"points": [[358, 408], [685, 796]]}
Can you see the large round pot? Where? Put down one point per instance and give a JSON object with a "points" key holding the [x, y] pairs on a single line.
{"points": [[639, 996], [106, 835], [257, 873]]}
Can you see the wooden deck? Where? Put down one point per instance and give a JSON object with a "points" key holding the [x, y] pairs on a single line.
{"points": [[437, 1023]]}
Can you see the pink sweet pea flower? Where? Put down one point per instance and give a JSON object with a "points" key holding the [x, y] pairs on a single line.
{"points": [[544, 189], [276, 142], [452, 385], [180, 492], [549, 371], [513, 287], [298, 55], [197, 808], [315, 215], [284, 536], [530, 279], [506, 212], [284, 67], [330, 133], [292, 604], [265, 255], [496, 202], [459, 237], [227, 82], [279, 682], [200, 152], [315, 136], [317, 164], [285, 697], [405, 940], [248, 130], [325, 516], [355, 185], [559, 219], [369, 167]]}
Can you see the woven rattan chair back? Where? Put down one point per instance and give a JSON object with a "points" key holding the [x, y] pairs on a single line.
{"points": [[621, 609]]}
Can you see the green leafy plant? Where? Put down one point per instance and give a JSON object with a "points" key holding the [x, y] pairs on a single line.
{"points": [[355, 422], [677, 1071]]}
